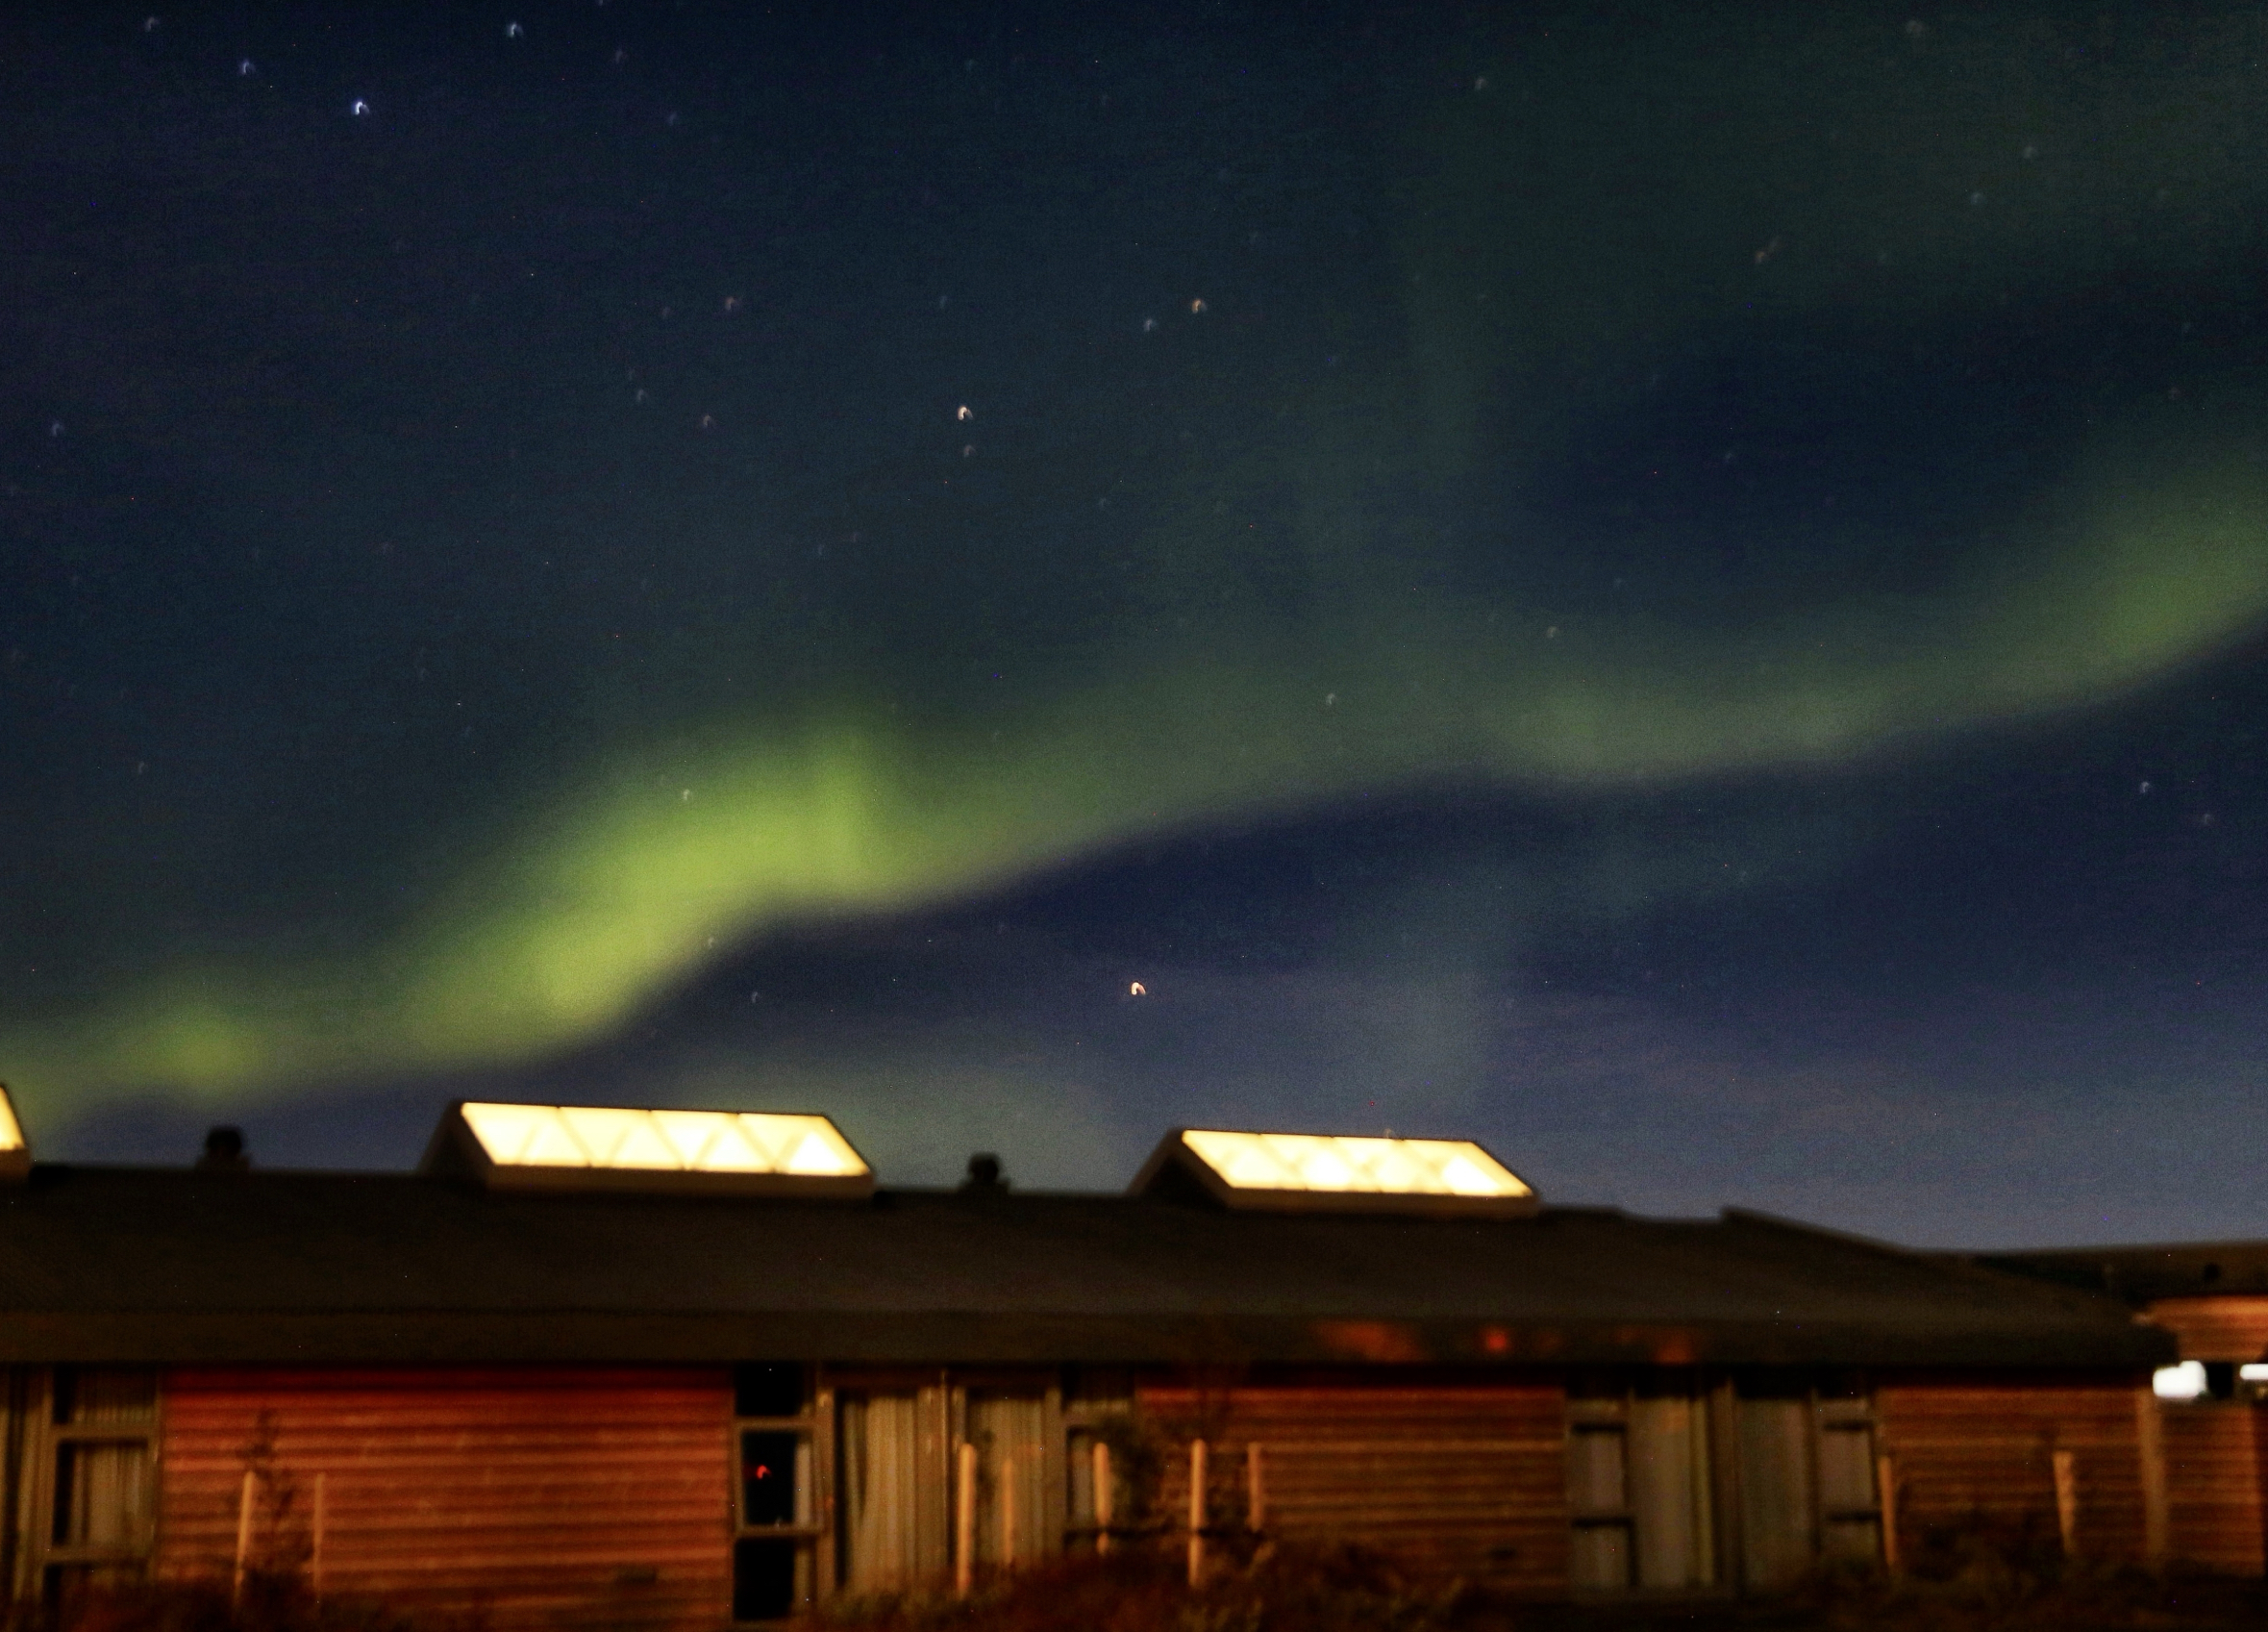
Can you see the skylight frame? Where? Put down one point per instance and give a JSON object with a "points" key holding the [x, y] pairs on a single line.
{"points": [[1260, 1171], [515, 1145]]}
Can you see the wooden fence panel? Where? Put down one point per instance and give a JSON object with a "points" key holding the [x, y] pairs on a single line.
{"points": [[538, 1498], [1459, 1481]]}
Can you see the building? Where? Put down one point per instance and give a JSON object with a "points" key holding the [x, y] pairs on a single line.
{"points": [[2213, 1298], [676, 1369]]}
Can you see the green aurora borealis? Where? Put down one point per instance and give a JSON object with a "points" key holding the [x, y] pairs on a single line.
{"points": [[1559, 219]]}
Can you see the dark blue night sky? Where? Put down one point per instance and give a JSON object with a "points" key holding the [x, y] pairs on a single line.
{"points": [[1679, 591]]}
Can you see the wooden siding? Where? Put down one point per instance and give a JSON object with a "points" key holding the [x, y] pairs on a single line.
{"points": [[1982, 1450], [2216, 1328], [1465, 1481], [535, 1497], [2216, 1466]]}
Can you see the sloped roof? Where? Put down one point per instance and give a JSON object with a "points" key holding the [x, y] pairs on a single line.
{"points": [[146, 1264], [2143, 1275]]}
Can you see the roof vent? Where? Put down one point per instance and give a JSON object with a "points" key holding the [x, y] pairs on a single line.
{"points": [[16, 1156], [224, 1152], [593, 1147], [1298, 1172]]}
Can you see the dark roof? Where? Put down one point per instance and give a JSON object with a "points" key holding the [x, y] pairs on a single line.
{"points": [[2144, 1274], [125, 1265]]}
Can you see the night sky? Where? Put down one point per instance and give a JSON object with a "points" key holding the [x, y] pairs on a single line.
{"points": [[1678, 591]]}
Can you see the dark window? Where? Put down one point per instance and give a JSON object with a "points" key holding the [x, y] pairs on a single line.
{"points": [[767, 1476], [771, 1389], [764, 1579]]}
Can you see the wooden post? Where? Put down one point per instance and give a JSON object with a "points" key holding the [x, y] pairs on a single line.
{"points": [[314, 1560], [1196, 1511], [2066, 1467], [243, 1537], [965, 1523], [1105, 1498], [1885, 1485], [1007, 1511], [2149, 1437], [1255, 1489]]}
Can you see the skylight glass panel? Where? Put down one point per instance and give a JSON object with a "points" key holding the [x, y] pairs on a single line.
{"points": [[11, 1133], [691, 1142], [1325, 1165]]}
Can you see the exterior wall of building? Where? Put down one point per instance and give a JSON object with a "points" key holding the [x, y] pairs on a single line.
{"points": [[2216, 1455], [2216, 1449], [1461, 1479], [539, 1497], [1984, 1449]]}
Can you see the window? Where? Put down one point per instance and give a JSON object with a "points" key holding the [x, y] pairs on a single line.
{"points": [[775, 1498], [1099, 1467], [1850, 1510], [883, 1440], [1638, 1473], [1676, 1487], [1598, 1488], [1014, 1515], [94, 1497]]}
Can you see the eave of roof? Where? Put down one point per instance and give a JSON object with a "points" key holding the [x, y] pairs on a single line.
{"points": [[2144, 1274], [171, 1266]]}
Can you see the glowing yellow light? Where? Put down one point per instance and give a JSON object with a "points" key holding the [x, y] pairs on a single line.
{"points": [[691, 1142], [11, 1133], [1376, 1166]]}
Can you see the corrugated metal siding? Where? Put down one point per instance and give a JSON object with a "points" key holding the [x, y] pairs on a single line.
{"points": [[1965, 1450], [541, 1498], [1459, 1481], [2216, 1465], [2216, 1328]]}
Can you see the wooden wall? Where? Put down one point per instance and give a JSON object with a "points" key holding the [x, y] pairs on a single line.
{"points": [[2215, 1328], [2217, 1450], [2216, 1465], [1982, 1448], [1460, 1480], [538, 1497]]}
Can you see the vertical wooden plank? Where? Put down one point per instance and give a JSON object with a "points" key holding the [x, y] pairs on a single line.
{"points": [[964, 1517], [1885, 1484], [1055, 1481], [825, 1441], [1106, 1496], [2065, 1464], [933, 1490], [1197, 1487]]}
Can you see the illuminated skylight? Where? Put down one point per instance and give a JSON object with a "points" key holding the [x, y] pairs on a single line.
{"points": [[1320, 1171], [16, 1156], [618, 1147]]}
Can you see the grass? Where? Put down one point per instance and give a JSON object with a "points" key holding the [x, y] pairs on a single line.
{"points": [[1966, 1582]]}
